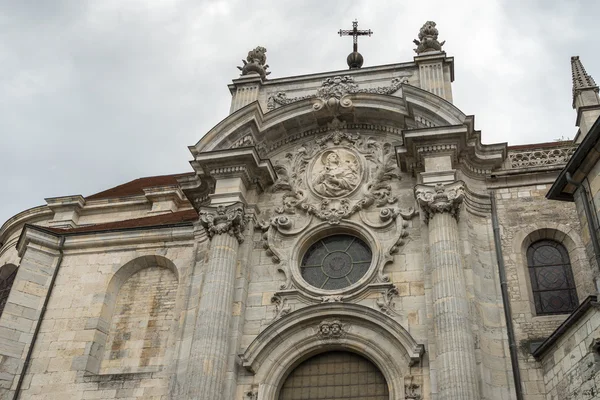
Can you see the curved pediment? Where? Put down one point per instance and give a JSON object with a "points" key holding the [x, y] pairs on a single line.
{"points": [[251, 126]]}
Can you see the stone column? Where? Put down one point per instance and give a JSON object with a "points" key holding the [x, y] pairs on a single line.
{"points": [[457, 374], [224, 226]]}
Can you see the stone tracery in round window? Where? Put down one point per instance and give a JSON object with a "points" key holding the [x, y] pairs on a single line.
{"points": [[336, 262]]}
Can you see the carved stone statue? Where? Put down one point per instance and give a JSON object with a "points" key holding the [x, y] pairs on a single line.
{"points": [[428, 39], [337, 176], [255, 63]]}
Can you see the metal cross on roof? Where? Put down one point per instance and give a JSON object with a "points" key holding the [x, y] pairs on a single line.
{"points": [[355, 33]]}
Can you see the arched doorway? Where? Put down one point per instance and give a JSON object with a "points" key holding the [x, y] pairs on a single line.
{"points": [[335, 375]]}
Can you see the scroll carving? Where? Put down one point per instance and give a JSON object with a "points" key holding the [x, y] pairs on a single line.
{"points": [[386, 302], [281, 306], [332, 93]]}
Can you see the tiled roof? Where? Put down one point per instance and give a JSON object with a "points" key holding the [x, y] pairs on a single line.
{"points": [[145, 222], [137, 186]]}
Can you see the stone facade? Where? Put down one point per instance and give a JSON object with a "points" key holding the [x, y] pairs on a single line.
{"points": [[195, 286]]}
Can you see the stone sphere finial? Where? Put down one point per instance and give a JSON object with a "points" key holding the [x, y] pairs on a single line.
{"points": [[255, 63], [428, 39], [355, 60]]}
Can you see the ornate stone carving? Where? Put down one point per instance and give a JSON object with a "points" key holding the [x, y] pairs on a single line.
{"points": [[386, 302], [428, 39], [540, 157], [251, 394], [376, 189], [255, 63], [230, 220], [412, 388], [338, 135], [333, 90], [332, 299], [246, 141], [336, 173], [332, 329], [281, 306], [440, 198]]}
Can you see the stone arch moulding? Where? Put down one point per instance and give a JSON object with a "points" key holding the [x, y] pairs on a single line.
{"points": [[564, 235], [367, 108], [103, 322], [284, 344]]}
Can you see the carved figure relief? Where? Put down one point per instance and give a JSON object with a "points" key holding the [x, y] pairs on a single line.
{"points": [[335, 177], [337, 173], [331, 329]]}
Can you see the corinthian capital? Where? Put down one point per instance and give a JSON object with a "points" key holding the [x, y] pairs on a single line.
{"points": [[440, 198], [221, 219]]}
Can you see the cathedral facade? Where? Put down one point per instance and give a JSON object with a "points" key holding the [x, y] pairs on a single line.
{"points": [[341, 235]]}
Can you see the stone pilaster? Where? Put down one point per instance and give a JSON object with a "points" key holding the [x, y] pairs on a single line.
{"points": [[457, 374], [225, 227]]}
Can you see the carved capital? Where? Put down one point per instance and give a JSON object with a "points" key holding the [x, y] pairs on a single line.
{"points": [[220, 220], [440, 199]]}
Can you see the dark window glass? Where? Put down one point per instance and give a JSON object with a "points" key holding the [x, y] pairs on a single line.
{"points": [[551, 278], [5, 286], [336, 262]]}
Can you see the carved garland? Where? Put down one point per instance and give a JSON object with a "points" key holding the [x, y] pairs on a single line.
{"points": [[336, 87]]}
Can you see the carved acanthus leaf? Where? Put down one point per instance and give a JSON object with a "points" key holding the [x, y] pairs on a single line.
{"points": [[230, 220], [440, 199]]}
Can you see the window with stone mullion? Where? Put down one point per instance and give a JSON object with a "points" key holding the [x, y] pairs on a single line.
{"points": [[551, 276]]}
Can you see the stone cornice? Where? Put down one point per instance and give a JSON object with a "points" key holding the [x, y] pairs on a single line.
{"points": [[459, 141], [29, 216], [243, 162], [251, 125], [35, 236], [40, 236], [440, 199], [221, 220]]}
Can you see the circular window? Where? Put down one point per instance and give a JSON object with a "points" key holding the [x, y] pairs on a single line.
{"points": [[336, 262]]}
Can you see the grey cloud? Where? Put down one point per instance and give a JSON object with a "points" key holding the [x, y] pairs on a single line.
{"points": [[95, 93]]}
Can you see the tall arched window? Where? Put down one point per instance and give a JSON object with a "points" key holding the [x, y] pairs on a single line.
{"points": [[551, 278], [7, 278]]}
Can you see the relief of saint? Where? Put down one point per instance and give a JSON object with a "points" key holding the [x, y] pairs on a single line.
{"points": [[337, 176]]}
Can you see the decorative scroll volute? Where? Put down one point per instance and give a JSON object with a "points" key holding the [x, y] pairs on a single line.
{"points": [[440, 199], [230, 220]]}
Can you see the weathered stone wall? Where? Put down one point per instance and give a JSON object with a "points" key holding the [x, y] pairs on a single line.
{"points": [[119, 304], [571, 367], [592, 186], [526, 216], [142, 322]]}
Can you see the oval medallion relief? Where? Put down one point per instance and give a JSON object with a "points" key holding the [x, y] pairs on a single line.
{"points": [[335, 173]]}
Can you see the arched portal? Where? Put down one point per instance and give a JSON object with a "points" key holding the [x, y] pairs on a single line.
{"points": [[302, 334], [335, 375]]}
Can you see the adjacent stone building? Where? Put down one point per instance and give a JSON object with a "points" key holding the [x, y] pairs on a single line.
{"points": [[340, 235]]}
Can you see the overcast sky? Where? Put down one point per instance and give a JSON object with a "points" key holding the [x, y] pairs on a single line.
{"points": [[97, 93]]}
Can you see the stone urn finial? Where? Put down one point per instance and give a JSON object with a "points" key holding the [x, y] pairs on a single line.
{"points": [[428, 39], [255, 63]]}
